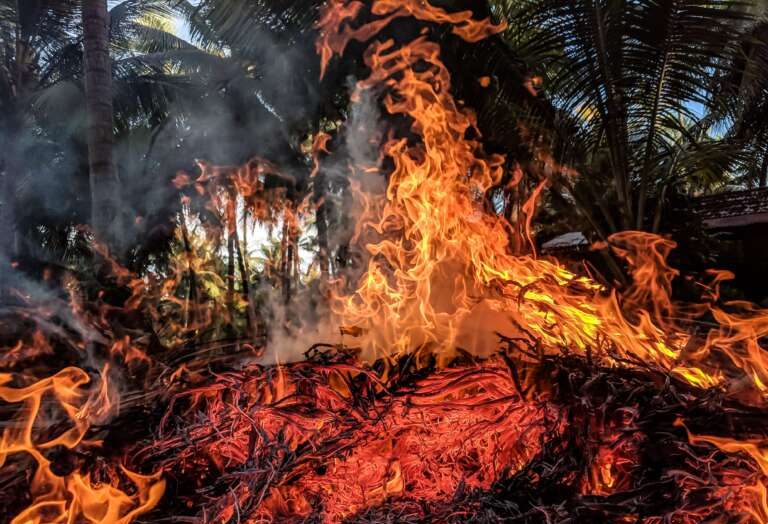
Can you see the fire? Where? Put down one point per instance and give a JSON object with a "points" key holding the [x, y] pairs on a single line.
{"points": [[73, 496], [331, 438], [337, 34], [438, 262], [425, 440]]}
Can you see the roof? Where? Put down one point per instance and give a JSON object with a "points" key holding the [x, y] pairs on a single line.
{"points": [[734, 209], [571, 240]]}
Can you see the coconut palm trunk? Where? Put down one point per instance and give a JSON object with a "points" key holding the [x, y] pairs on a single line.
{"points": [[98, 92], [321, 221]]}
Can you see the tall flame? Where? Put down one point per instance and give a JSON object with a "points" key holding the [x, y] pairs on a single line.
{"points": [[440, 276], [439, 265]]}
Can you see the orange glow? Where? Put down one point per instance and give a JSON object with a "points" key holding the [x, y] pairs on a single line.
{"points": [[336, 32], [440, 278], [438, 262], [455, 428], [73, 497], [748, 495]]}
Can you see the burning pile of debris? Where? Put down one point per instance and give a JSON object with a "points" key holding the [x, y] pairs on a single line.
{"points": [[470, 385], [329, 441]]}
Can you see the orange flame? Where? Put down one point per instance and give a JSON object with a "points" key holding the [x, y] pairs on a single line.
{"points": [[336, 33], [74, 497], [439, 265]]}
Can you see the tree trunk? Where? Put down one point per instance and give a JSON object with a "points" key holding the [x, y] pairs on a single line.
{"points": [[7, 226], [98, 93], [245, 290], [15, 84], [230, 230], [7, 215], [763, 180], [192, 302], [255, 322], [295, 259], [321, 221], [286, 261], [230, 298], [343, 251]]}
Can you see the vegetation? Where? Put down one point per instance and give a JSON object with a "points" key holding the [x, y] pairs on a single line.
{"points": [[621, 108]]}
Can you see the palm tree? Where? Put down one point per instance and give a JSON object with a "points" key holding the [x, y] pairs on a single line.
{"points": [[98, 94], [261, 79], [634, 84], [745, 93], [44, 159], [30, 32]]}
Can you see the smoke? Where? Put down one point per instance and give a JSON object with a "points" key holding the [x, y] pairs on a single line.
{"points": [[220, 108], [44, 171], [363, 137], [287, 341], [227, 110], [41, 303], [295, 327]]}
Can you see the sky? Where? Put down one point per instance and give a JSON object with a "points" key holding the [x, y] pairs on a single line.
{"points": [[181, 28]]}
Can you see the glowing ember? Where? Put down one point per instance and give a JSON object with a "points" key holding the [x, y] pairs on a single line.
{"points": [[459, 429], [600, 405]]}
